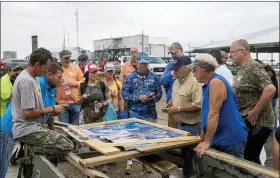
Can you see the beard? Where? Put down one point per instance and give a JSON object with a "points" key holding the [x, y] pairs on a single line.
{"points": [[13, 79]]}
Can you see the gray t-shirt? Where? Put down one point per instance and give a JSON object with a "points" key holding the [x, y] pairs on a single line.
{"points": [[95, 93], [26, 95]]}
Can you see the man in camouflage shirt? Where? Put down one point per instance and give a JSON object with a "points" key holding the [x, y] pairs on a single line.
{"points": [[254, 91]]}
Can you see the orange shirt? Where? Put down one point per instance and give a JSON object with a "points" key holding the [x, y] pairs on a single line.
{"points": [[73, 74], [126, 69]]}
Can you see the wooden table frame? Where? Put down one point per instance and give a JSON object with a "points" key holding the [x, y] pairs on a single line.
{"points": [[111, 149]]}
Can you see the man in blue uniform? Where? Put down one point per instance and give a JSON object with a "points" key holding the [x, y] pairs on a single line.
{"points": [[141, 90]]}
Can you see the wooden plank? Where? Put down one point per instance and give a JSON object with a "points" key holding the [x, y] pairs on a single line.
{"points": [[162, 127], [74, 129], [100, 123], [93, 143], [171, 145], [100, 160], [74, 159], [130, 142], [158, 164], [247, 165]]}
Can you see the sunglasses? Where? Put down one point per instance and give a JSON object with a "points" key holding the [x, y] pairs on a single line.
{"points": [[133, 52], [195, 69]]}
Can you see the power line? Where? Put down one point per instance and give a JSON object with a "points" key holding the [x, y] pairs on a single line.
{"points": [[124, 22]]}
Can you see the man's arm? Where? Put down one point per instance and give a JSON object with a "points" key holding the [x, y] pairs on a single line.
{"points": [[80, 77], [267, 95], [122, 74], [158, 90], [166, 78], [217, 95], [127, 93]]}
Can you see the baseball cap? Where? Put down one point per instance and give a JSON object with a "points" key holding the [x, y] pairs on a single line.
{"points": [[92, 68], [109, 66], [65, 53], [181, 61], [15, 68], [143, 58], [224, 54], [174, 47]]}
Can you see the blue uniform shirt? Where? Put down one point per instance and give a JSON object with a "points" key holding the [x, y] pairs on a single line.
{"points": [[231, 129], [167, 80], [48, 93], [6, 123], [136, 84]]}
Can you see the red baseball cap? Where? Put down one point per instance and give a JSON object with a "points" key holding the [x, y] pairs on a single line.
{"points": [[92, 68]]}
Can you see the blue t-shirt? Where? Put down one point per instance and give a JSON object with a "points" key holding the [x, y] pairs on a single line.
{"points": [[167, 80], [231, 129], [6, 121], [48, 93]]}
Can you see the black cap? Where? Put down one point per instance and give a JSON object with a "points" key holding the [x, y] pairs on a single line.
{"points": [[180, 61], [65, 53]]}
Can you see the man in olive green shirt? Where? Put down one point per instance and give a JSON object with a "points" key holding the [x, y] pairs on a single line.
{"points": [[254, 91], [6, 87]]}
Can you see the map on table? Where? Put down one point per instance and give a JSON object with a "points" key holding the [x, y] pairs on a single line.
{"points": [[118, 132]]}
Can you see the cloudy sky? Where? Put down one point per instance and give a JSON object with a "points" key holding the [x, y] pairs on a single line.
{"points": [[196, 22]]}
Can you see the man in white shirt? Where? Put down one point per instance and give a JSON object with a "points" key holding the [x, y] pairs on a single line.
{"points": [[222, 69]]}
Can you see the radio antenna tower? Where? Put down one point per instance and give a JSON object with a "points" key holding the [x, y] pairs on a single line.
{"points": [[77, 27]]}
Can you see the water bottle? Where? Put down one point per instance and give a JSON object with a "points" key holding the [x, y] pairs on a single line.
{"points": [[96, 109]]}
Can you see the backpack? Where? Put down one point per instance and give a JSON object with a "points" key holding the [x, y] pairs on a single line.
{"points": [[83, 87]]}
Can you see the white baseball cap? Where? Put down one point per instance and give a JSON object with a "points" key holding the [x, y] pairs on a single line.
{"points": [[109, 66]]}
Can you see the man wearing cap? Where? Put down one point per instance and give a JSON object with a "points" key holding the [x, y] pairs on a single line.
{"points": [[130, 65], [83, 63], [167, 80], [141, 90], [6, 87], [222, 125], [254, 91], [67, 92], [224, 57], [184, 107]]}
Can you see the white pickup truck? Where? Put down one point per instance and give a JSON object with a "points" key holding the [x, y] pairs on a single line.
{"points": [[156, 65]]}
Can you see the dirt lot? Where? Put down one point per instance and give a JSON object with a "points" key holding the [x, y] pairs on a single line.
{"points": [[116, 171]]}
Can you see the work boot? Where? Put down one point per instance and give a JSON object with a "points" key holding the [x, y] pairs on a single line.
{"points": [[103, 168], [147, 169], [127, 169]]}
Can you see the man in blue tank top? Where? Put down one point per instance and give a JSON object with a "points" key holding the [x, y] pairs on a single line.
{"points": [[222, 126]]}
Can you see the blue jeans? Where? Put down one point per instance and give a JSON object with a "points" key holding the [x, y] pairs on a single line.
{"points": [[194, 129], [71, 114], [6, 146], [235, 150], [273, 102]]}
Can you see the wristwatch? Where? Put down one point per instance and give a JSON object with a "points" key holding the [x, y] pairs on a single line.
{"points": [[179, 109]]}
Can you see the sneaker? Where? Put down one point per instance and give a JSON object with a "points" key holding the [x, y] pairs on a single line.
{"points": [[103, 168], [127, 169], [147, 169]]}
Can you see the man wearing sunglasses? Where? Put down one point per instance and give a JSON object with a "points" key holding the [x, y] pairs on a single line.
{"points": [[224, 57], [167, 80], [254, 91], [67, 92], [6, 87]]}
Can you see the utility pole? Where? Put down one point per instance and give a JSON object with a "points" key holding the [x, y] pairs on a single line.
{"points": [[68, 41], [77, 28], [142, 40], [64, 39]]}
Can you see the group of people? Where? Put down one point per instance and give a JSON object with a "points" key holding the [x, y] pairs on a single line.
{"points": [[233, 115]]}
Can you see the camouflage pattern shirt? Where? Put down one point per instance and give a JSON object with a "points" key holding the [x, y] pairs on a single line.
{"points": [[137, 84], [248, 86]]}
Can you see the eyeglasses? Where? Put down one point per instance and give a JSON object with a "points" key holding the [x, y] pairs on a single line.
{"points": [[231, 52], [195, 69], [133, 52]]}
